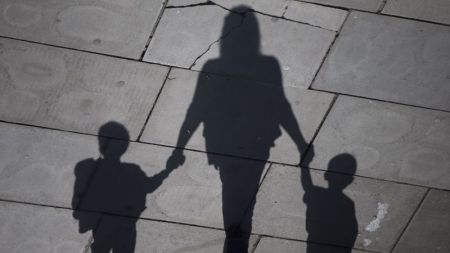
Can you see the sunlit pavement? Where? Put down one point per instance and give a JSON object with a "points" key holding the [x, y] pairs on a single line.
{"points": [[96, 95]]}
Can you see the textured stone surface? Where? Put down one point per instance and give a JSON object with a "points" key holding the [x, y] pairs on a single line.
{"points": [[391, 142], [307, 47], [382, 209], [39, 229], [164, 125], [431, 10], [183, 34], [428, 231], [316, 15], [191, 194], [119, 27], [270, 245], [74, 91], [36, 165], [365, 5], [166, 237], [390, 59], [58, 86]]}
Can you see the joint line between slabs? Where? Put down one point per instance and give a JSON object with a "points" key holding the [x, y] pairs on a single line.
{"points": [[419, 205]]}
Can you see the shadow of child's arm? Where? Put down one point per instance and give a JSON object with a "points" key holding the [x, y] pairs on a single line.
{"points": [[175, 160]]}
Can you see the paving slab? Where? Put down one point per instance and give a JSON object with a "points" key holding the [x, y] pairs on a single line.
{"points": [[428, 231], [269, 245], [167, 237], [390, 59], [183, 34], [316, 15], [191, 194], [364, 5], [183, 40], [37, 165], [119, 27], [27, 228], [430, 10], [271, 7], [298, 65], [392, 142], [163, 127], [379, 209], [69, 90]]}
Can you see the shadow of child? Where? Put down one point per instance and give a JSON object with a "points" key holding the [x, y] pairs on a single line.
{"points": [[111, 186]]}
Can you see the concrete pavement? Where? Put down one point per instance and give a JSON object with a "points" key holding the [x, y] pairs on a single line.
{"points": [[214, 107]]}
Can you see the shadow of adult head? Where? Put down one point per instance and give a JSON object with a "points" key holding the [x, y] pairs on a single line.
{"points": [[240, 50], [109, 185], [241, 115], [240, 44], [330, 213]]}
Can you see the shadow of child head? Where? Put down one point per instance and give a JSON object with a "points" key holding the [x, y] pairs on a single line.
{"points": [[117, 130], [345, 163]]}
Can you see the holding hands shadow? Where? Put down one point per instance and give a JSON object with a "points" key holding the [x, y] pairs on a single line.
{"points": [[307, 156], [175, 160]]}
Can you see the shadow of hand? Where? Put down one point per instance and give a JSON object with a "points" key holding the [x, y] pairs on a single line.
{"points": [[175, 160], [307, 157]]}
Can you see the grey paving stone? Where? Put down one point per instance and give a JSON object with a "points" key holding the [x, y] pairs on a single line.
{"points": [[191, 194], [391, 142], [325, 17], [431, 10], [428, 231], [382, 209], [365, 5], [271, 7], [37, 165], [309, 108], [119, 27], [28, 228], [165, 237], [269, 245], [390, 59], [183, 34], [74, 91], [307, 47]]}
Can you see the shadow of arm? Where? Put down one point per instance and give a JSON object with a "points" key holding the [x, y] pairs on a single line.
{"points": [[306, 179], [156, 180], [290, 124]]}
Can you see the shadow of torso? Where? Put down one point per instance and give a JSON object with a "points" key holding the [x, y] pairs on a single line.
{"points": [[241, 117], [117, 188], [330, 217]]}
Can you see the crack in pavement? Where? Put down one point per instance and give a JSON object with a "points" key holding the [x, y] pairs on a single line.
{"points": [[207, 2], [285, 9], [190, 5], [243, 15]]}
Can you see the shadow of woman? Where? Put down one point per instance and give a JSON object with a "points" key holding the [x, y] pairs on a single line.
{"points": [[114, 187], [330, 214], [239, 117]]}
